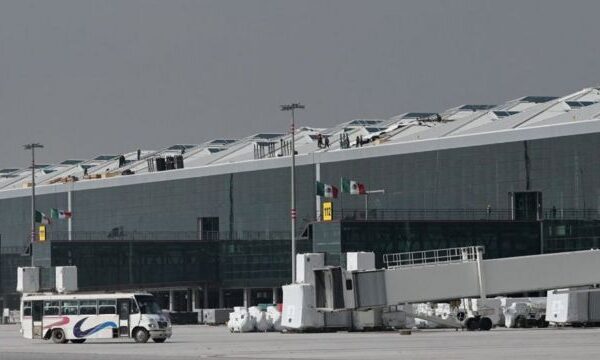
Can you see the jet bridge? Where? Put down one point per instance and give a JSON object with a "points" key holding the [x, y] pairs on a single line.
{"points": [[451, 274]]}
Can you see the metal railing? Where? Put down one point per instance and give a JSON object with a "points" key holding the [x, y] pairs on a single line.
{"points": [[462, 214], [431, 257], [423, 214], [168, 235]]}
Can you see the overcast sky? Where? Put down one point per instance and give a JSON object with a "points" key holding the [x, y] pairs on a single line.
{"points": [[105, 77]]}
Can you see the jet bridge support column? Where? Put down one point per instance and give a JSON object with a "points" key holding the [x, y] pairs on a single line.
{"points": [[480, 275]]}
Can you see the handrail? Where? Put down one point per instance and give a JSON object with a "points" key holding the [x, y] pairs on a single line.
{"points": [[431, 257]]}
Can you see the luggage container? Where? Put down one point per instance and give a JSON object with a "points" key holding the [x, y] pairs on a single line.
{"points": [[216, 316]]}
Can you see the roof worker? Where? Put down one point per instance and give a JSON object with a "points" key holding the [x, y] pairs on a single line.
{"points": [[327, 142], [320, 140]]}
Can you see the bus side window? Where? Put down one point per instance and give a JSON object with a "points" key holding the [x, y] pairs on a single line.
{"points": [[26, 308], [69, 307], [107, 307], [51, 308], [87, 307]]}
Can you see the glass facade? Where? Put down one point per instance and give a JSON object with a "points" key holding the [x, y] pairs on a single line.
{"points": [[500, 238], [127, 264], [571, 235], [457, 184]]}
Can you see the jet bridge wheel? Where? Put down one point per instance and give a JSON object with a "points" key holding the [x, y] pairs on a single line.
{"points": [[485, 324], [472, 324]]}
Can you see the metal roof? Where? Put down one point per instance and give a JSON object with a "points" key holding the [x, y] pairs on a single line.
{"points": [[476, 122]]}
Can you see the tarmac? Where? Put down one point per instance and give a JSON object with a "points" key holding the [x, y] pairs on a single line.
{"points": [[206, 342]]}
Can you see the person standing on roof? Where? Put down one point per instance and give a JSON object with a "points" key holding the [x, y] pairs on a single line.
{"points": [[320, 141], [327, 142]]}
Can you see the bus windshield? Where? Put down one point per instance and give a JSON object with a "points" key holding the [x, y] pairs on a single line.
{"points": [[148, 305]]}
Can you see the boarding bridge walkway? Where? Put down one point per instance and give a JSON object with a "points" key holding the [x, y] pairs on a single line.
{"points": [[452, 274]]}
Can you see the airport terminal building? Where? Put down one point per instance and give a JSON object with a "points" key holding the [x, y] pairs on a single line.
{"points": [[208, 225]]}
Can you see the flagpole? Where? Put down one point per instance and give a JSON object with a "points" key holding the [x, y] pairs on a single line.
{"points": [[69, 204], [318, 198], [341, 198], [32, 147]]}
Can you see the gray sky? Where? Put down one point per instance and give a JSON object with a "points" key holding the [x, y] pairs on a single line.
{"points": [[92, 77]]}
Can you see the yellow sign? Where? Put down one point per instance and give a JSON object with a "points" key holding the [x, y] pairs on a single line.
{"points": [[327, 211], [42, 232]]}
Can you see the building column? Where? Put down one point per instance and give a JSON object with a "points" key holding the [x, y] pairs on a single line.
{"points": [[171, 300], [189, 300], [205, 296], [247, 297], [221, 298], [275, 295], [194, 298]]}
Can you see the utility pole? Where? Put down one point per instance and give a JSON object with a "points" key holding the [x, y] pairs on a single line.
{"points": [[292, 107], [32, 147]]}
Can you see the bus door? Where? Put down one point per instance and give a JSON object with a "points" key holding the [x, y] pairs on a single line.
{"points": [[37, 312], [124, 309]]}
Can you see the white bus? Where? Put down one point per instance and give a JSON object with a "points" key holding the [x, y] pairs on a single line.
{"points": [[78, 317]]}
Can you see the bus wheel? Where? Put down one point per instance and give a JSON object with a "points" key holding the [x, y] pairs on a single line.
{"points": [[140, 335], [78, 341], [58, 336], [159, 340]]}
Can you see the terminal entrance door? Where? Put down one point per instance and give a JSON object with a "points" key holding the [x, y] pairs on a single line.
{"points": [[526, 205], [208, 228], [124, 309]]}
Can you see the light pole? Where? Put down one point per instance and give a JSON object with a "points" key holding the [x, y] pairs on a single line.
{"points": [[32, 147], [292, 107]]}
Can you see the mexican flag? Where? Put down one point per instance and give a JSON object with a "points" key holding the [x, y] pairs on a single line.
{"points": [[352, 187], [326, 190], [41, 218], [60, 214]]}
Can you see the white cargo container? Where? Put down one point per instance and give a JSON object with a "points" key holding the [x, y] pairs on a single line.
{"points": [[299, 311], [28, 279], [305, 264], [360, 261], [568, 306], [66, 279]]}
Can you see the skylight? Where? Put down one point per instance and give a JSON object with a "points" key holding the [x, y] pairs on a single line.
{"points": [[363, 122], [417, 115], [476, 107], [105, 157], [502, 114], [71, 162], [579, 104], [538, 99]]}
